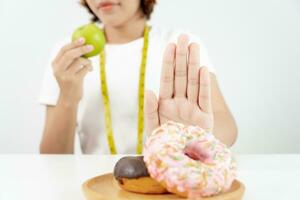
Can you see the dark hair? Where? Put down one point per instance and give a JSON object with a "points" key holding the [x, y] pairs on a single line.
{"points": [[146, 5]]}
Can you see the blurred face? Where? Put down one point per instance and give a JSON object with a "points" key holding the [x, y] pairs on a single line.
{"points": [[115, 12]]}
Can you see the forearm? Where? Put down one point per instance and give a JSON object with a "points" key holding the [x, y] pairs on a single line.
{"points": [[59, 132], [225, 128]]}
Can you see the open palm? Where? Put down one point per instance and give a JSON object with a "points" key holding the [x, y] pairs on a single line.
{"points": [[184, 94]]}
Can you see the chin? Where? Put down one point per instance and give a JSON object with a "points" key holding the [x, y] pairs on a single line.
{"points": [[110, 21]]}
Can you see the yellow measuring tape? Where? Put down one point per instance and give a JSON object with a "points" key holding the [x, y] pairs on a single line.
{"points": [[105, 97]]}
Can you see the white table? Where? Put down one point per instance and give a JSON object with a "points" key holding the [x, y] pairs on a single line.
{"points": [[36, 177]]}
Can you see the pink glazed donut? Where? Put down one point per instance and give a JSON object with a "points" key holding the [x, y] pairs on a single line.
{"points": [[189, 161]]}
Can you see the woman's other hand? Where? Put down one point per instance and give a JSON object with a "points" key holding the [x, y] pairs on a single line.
{"points": [[70, 68]]}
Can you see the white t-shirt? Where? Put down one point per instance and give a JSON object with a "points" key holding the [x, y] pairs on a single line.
{"points": [[122, 72]]}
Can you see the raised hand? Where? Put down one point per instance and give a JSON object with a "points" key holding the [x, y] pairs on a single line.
{"points": [[185, 89]]}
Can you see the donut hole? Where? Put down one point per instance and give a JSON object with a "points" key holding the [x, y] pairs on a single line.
{"points": [[194, 155], [196, 151]]}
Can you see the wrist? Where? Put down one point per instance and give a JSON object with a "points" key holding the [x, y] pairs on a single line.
{"points": [[67, 102]]}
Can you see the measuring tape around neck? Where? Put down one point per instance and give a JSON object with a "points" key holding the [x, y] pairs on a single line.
{"points": [[106, 102]]}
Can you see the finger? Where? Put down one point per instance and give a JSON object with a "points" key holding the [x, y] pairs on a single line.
{"points": [[70, 46], [78, 64], [72, 54], [167, 74], [193, 73], [84, 70], [205, 91], [151, 111], [181, 66]]}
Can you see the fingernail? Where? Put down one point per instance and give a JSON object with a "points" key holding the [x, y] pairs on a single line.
{"points": [[81, 40], [90, 47]]}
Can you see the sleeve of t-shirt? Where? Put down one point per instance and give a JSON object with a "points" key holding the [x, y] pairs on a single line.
{"points": [[204, 58]]}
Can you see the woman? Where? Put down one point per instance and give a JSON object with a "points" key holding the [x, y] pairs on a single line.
{"points": [[72, 90]]}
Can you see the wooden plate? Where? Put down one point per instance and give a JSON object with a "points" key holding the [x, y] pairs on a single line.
{"points": [[105, 187]]}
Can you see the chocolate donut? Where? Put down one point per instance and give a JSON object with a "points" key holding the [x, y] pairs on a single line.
{"points": [[130, 167], [132, 175]]}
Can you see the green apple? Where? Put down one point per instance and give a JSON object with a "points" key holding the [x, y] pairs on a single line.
{"points": [[93, 36]]}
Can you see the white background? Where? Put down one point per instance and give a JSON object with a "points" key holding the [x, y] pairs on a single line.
{"points": [[254, 45]]}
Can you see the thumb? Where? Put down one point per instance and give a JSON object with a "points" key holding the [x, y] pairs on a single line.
{"points": [[151, 111]]}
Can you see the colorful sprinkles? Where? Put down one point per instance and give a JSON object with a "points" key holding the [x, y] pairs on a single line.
{"points": [[166, 161]]}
